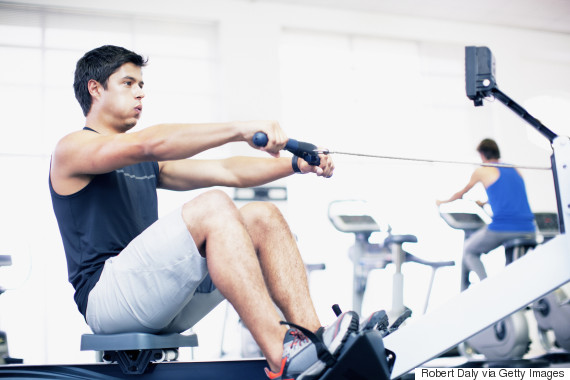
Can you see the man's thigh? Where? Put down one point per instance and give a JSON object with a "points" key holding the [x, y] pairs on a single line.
{"points": [[485, 240], [149, 282]]}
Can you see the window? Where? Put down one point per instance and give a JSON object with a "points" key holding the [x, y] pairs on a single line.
{"points": [[39, 49]]}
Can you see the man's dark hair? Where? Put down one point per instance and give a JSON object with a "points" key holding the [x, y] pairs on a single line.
{"points": [[489, 149], [99, 64]]}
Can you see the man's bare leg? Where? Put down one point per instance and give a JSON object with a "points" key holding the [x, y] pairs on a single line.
{"points": [[281, 263], [219, 232]]}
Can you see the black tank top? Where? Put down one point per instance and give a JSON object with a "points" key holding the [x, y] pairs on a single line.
{"points": [[98, 221]]}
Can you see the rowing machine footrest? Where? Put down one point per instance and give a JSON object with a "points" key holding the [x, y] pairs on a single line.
{"points": [[134, 351], [362, 357]]}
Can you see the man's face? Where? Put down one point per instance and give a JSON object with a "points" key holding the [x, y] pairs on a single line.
{"points": [[122, 99]]}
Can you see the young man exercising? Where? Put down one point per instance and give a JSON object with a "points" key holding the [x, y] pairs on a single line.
{"points": [[512, 217], [133, 272]]}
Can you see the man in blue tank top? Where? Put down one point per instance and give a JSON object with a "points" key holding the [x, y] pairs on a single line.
{"points": [[512, 217], [134, 272]]}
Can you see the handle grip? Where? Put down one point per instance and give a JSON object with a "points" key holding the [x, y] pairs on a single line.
{"points": [[304, 150], [260, 139]]}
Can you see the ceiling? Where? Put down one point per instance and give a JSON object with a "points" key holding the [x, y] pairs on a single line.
{"points": [[544, 15]]}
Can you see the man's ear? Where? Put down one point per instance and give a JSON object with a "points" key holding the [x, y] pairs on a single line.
{"points": [[95, 88]]}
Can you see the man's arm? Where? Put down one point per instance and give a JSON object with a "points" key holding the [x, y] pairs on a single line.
{"points": [[475, 177], [234, 172], [82, 154]]}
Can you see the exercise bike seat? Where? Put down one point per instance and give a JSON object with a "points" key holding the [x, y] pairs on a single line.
{"points": [[408, 257], [400, 239], [520, 242], [515, 248]]}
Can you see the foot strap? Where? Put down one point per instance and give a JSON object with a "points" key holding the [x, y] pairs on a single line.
{"points": [[323, 352]]}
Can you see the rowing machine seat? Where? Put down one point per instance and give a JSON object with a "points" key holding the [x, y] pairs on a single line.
{"points": [[134, 351]]}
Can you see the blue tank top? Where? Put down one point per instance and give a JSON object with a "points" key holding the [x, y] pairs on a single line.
{"points": [[509, 202], [98, 221]]}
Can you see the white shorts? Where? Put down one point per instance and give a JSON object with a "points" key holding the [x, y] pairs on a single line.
{"points": [[158, 283]]}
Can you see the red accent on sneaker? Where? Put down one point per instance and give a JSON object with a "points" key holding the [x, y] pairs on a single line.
{"points": [[274, 375]]}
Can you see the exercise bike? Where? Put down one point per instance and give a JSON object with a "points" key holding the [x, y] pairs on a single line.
{"points": [[354, 216], [508, 340]]}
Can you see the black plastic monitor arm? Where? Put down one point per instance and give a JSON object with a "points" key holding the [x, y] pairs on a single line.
{"points": [[516, 108]]}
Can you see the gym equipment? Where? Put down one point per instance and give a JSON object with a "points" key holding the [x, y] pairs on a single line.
{"points": [[427, 160], [508, 339], [363, 355], [304, 150], [351, 216], [5, 358], [547, 225], [548, 264], [470, 222], [212, 370], [134, 351], [552, 313]]}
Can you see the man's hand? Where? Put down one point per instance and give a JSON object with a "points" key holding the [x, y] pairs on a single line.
{"points": [[276, 137], [480, 203], [325, 169]]}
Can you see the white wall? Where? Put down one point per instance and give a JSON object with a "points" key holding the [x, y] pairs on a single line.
{"points": [[40, 316]]}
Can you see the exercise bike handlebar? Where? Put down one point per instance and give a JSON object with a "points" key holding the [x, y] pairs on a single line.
{"points": [[434, 264], [301, 149]]}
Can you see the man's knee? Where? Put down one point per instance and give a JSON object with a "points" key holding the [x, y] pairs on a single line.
{"points": [[261, 214], [211, 207], [471, 259]]}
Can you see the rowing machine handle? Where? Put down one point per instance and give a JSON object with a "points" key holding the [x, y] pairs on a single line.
{"points": [[299, 148]]}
